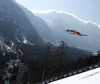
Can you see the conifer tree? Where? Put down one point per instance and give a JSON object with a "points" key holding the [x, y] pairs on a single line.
{"points": [[60, 55]]}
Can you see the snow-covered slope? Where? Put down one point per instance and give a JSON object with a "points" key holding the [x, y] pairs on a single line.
{"points": [[59, 21], [89, 77]]}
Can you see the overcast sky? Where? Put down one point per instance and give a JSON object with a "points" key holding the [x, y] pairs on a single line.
{"points": [[84, 9]]}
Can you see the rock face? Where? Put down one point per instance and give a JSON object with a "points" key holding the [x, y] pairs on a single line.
{"points": [[17, 32], [40, 25], [15, 26]]}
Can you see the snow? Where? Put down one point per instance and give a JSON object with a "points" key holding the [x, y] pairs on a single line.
{"points": [[12, 44], [4, 54], [4, 46], [17, 39], [25, 41], [88, 77]]}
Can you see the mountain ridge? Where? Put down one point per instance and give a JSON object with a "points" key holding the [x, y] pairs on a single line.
{"points": [[37, 12], [58, 22]]}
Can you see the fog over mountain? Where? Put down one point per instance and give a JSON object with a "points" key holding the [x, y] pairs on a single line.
{"points": [[21, 29], [59, 21], [40, 25]]}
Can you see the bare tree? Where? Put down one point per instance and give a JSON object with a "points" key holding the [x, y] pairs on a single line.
{"points": [[45, 61]]}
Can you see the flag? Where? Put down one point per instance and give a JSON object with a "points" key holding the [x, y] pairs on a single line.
{"points": [[20, 52]]}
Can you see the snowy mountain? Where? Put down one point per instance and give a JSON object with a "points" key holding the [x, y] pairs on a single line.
{"points": [[59, 21], [89, 77], [17, 32], [20, 29], [14, 24]]}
